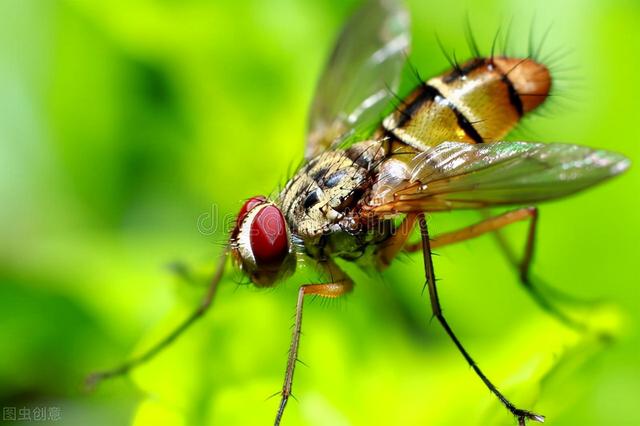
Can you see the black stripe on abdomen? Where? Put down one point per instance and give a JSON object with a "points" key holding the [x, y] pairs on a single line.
{"points": [[432, 94], [514, 96], [463, 121], [466, 125]]}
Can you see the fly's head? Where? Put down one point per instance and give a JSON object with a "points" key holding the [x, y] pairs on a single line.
{"points": [[261, 242]]}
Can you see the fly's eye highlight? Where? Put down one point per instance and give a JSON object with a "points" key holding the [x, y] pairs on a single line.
{"points": [[248, 206], [268, 238]]}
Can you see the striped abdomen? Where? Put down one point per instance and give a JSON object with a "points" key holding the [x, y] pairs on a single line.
{"points": [[481, 101]]}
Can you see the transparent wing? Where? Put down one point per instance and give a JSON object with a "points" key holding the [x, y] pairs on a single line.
{"points": [[455, 175], [363, 71]]}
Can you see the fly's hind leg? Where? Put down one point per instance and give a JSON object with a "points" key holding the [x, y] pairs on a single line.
{"points": [[522, 415], [340, 285], [524, 265], [494, 224]]}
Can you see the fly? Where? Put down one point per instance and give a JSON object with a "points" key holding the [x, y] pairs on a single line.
{"points": [[370, 174]]}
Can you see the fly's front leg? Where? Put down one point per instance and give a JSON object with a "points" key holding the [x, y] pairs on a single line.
{"points": [[494, 224], [340, 285], [522, 415], [94, 379]]}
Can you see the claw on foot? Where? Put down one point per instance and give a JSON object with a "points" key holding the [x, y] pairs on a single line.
{"points": [[524, 415]]}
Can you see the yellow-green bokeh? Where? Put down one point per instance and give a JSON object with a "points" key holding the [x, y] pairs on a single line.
{"points": [[124, 123]]}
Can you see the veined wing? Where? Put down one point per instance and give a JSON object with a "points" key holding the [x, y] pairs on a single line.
{"points": [[455, 175], [357, 83]]}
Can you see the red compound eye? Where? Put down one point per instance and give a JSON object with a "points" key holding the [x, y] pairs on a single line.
{"points": [[269, 242], [247, 206]]}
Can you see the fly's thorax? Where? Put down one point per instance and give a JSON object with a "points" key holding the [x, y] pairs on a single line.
{"points": [[261, 242], [480, 101], [323, 196]]}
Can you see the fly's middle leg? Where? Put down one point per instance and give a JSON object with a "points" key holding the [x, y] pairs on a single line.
{"points": [[522, 415], [494, 224]]}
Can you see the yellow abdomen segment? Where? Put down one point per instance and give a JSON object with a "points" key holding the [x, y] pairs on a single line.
{"points": [[480, 101]]}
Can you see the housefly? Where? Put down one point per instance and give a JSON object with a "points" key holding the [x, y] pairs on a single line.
{"points": [[376, 163]]}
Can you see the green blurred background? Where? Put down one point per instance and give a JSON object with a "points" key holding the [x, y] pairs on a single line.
{"points": [[124, 123]]}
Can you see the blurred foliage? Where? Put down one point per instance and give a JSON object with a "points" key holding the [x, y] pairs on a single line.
{"points": [[124, 123]]}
